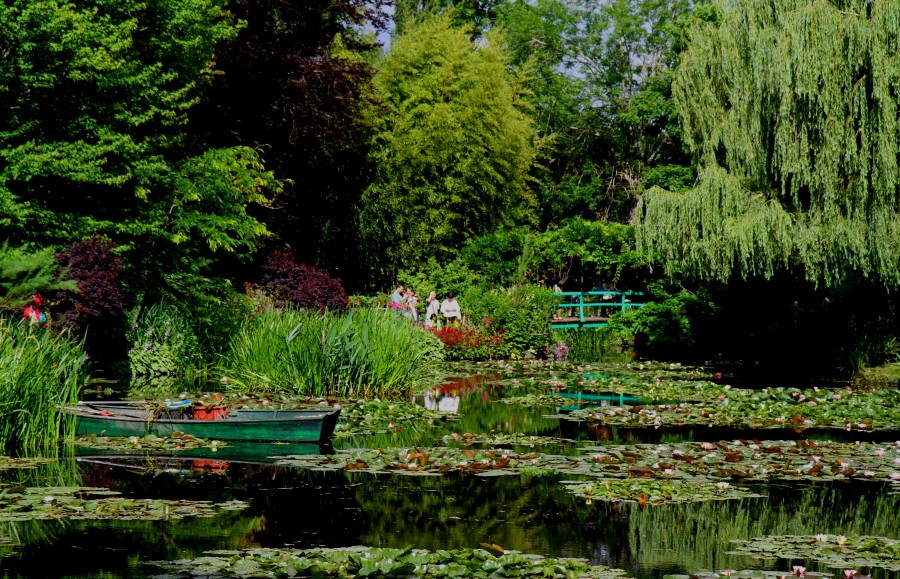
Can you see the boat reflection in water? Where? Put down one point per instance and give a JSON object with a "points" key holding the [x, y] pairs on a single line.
{"points": [[203, 459]]}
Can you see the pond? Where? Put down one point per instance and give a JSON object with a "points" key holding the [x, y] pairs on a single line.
{"points": [[503, 465]]}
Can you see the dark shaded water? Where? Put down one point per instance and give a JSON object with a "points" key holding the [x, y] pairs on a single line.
{"points": [[533, 514]]}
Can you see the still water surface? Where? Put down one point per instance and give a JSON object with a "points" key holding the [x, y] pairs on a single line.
{"points": [[533, 514]]}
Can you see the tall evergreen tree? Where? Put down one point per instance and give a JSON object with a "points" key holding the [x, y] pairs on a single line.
{"points": [[791, 111], [453, 146], [477, 14]]}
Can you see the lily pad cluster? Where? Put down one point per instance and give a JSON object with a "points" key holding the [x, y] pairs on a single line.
{"points": [[19, 503], [758, 574], [414, 461], [9, 463], [655, 491], [148, 442], [745, 460], [379, 562], [496, 439], [379, 416], [752, 460], [770, 408], [836, 551]]}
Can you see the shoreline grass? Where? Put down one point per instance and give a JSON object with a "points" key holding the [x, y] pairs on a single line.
{"points": [[361, 353], [40, 373]]}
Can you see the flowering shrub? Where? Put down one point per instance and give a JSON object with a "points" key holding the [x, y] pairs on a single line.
{"points": [[163, 342], [302, 285], [467, 343], [560, 351]]}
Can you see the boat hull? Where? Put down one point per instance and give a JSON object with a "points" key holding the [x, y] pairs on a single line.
{"points": [[270, 426]]}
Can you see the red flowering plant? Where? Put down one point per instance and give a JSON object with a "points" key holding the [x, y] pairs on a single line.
{"points": [[469, 343]]}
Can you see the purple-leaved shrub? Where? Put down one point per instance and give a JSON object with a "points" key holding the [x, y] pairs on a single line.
{"points": [[96, 270], [97, 306], [301, 285]]}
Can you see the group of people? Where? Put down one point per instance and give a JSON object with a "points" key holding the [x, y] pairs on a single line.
{"points": [[407, 300]]}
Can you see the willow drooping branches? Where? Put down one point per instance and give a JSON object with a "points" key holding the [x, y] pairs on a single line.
{"points": [[791, 110]]}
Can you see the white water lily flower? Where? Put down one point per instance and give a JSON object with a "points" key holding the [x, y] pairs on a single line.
{"points": [[821, 538], [49, 499], [722, 486], [841, 540]]}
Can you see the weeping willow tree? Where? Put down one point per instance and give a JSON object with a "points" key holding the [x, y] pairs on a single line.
{"points": [[791, 111]]}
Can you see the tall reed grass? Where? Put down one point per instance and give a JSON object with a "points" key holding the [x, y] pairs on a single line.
{"points": [[40, 372], [591, 344], [362, 353]]}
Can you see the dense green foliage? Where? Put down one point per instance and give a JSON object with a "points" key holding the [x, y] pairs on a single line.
{"points": [[602, 87], [585, 346], [292, 83], [790, 110], [492, 145], [95, 99], [40, 373], [453, 145], [24, 272]]}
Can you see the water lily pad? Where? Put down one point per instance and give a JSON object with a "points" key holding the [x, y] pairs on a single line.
{"points": [[19, 503], [148, 442], [836, 551], [655, 491], [710, 404], [8, 463], [382, 562]]}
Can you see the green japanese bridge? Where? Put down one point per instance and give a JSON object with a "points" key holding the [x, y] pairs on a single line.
{"points": [[592, 309]]}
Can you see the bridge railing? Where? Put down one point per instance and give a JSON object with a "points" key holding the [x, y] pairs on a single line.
{"points": [[592, 309]]}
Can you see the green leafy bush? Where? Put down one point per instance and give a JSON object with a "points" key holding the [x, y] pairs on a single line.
{"points": [[519, 316], [522, 313], [163, 342], [662, 329]]}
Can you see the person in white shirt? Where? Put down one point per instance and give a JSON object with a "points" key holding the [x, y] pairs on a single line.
{"points": [[432, 307], [450, 310], [412, 302]]}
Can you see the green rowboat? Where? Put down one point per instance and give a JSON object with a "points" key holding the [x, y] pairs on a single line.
{"points": [[136, 419]]}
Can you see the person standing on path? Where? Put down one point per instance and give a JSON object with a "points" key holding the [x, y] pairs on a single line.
{"points": [[432, 308], [450, 310], [397, 296], [412, 302]]}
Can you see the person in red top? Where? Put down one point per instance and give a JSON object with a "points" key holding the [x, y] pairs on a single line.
{"points": [[33, 312]]}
